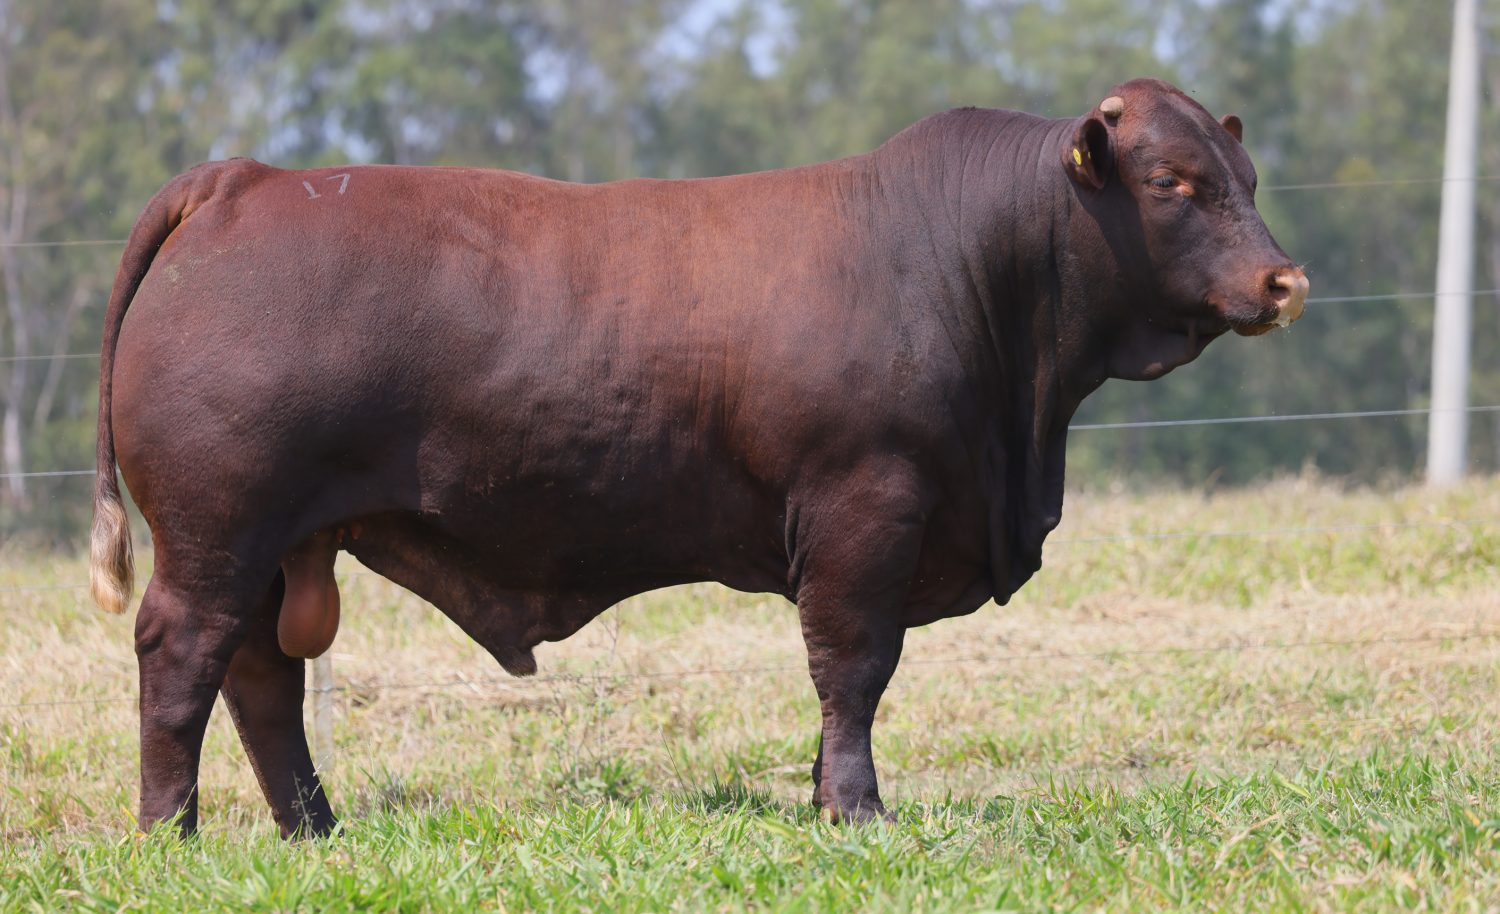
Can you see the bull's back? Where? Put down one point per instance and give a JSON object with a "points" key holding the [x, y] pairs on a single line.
{"points": [[477, 344]]}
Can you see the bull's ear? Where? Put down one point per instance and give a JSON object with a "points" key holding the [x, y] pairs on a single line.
{"points": [[1087, 157], [1235, 128]]}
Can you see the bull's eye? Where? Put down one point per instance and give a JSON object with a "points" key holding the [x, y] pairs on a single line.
{"points": [[1165, 182]]}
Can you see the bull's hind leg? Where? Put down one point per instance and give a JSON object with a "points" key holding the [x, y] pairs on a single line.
{"points": [[264, 692], [185, 635]]}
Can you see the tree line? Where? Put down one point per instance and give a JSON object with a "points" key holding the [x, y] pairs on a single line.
{"points": [[101, 101]]}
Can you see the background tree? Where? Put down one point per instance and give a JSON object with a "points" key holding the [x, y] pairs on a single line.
{"points": [[102, 100]]}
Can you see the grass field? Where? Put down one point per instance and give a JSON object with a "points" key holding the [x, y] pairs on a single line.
{"points": [[1304, 718]]}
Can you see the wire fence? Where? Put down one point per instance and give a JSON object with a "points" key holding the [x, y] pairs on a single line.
{"points": [[1295, 417], [598, 683], [75, 243], [1454, 523], [324, 687], [1099, 426], [1268, 188], [1379, 182], [1329, 300], [619, 677]]}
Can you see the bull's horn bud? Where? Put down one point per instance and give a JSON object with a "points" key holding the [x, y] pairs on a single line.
{"points": [[1112, 107]]}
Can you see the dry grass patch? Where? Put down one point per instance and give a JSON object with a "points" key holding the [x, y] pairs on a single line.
{"points": [[1154, 658]]}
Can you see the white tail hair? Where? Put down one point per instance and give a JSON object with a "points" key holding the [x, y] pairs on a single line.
{"points": [[111, 555]]}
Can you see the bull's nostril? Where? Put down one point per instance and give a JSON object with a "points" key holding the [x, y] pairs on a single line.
{"points": [[1288, 291]]}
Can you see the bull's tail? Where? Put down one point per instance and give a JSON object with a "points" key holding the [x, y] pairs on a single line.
{"points": [[111, 556]]}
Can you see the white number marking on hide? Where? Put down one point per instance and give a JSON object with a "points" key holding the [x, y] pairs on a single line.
{"points": [[343, 180]]}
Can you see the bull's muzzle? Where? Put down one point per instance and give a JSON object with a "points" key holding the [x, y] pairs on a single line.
{"points": [[1289, 292]]}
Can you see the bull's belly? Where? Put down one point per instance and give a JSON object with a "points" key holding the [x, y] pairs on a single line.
{"points": [[585, 534], [514, 572], [520, 568]]}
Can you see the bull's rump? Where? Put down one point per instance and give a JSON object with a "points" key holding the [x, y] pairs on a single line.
{"points": [[632, 375]]}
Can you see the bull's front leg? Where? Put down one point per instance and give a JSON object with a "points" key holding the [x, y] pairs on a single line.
{"points": [[851, 593], [851, 671]]}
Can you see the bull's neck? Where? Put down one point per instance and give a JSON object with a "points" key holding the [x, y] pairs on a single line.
{"points": [[979, 214], [984, 210]]}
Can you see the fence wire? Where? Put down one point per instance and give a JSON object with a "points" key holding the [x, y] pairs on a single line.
{"points": [[1377, 182], [993, 660], [1453, 523], [1100, 426], [1292, 417], [969, 661], [1268, 188], [1331, 300]]}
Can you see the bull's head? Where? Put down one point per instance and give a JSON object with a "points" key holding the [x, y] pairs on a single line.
{"points": [[1172, 193]]}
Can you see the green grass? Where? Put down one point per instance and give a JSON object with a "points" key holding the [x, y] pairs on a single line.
{"points": [[1377, 832], [1273, 722]]}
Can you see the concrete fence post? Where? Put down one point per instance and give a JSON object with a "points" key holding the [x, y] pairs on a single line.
{"points": [[323, 713]]}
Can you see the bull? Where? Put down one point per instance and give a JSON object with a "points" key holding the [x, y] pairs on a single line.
{"points": [[525, 400]]}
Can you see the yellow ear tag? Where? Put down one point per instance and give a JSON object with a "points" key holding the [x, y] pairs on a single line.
{"points": [[1077, 159]]}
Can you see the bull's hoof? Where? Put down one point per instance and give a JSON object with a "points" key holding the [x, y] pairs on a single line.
{"points": [[311, 829], [857, 813], [178, 827]]}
